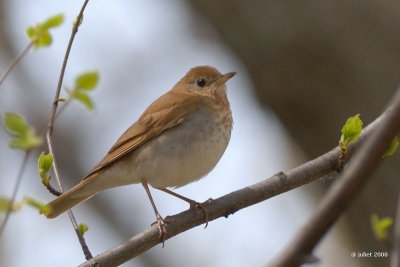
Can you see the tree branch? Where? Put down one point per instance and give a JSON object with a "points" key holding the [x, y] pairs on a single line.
{"points": [[395, 258], [15, 191], [230, 203], [50, 126], [15, 62], [344, 190]]}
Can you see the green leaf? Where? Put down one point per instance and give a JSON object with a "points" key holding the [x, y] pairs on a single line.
{"points": [[39, 34], [45, 161], [52, 22], [84, 98], [393, 147], [83, 228], [22, 135], [25, 143], [351, 130], [5, 204], [32, 139], [87, 81], [44, 39], [38, 37], [43, 208], [15, 124], [380, 226], [31, 32]]}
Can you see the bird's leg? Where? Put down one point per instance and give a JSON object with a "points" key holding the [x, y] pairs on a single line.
{"points": [[193, 204], [160, 221]]}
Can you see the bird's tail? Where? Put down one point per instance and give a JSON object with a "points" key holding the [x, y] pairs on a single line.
{"points": [[77, 194]]}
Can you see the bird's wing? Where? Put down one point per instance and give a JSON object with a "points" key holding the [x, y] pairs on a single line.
{"points": [[166, 112]]}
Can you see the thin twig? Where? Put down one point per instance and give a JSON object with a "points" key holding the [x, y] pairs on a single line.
{"points": [[344, 191], [50, 127], [395, 257], [15, 190], [52, 190], [15, 62], [59, 112], [230, 203], [49, 187]]}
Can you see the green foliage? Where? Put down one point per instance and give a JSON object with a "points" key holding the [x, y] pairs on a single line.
{"points": [[22, 135], [380, 226], [85, 83], [84, 99], [17, 205], [45, 161], [5, 205], [43, 208], [15, 124], [393, 147], [52, 22], [351, 131], [39, 34], [83, 228]]}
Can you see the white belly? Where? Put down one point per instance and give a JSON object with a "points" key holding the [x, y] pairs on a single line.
{"points": [[178, 156]]}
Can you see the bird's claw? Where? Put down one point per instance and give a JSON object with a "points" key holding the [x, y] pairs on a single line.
{"points": [[162, 229], [196, 205]]}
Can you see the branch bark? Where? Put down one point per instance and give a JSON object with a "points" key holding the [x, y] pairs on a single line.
{"points": [[230, 203]]}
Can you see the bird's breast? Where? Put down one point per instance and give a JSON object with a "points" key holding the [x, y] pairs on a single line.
{"points": [[186, 152]]}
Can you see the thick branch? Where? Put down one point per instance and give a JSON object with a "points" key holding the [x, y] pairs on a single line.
{"points": [[344, 191], [229, 204]]}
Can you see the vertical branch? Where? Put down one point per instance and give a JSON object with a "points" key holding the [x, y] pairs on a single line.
{"points": [[50, 127]]}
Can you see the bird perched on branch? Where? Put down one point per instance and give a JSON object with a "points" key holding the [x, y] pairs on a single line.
{"points": [[177, 140]]}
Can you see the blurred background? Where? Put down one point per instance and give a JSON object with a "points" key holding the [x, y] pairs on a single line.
{"points": [[303, 68]]}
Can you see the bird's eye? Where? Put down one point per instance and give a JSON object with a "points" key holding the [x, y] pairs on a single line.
{"points": [[201, 82]]}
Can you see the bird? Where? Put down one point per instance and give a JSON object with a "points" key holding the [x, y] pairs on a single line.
{"points": [[178, 139]]}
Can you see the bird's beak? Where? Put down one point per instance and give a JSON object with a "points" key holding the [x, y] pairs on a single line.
{"points": [[224, 78]]}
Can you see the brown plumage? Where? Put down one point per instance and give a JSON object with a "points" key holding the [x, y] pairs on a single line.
{"points": [[178, 139]]}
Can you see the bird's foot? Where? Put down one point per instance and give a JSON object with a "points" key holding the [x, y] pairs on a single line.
{"points": [[196, 206], [162, 229]]}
